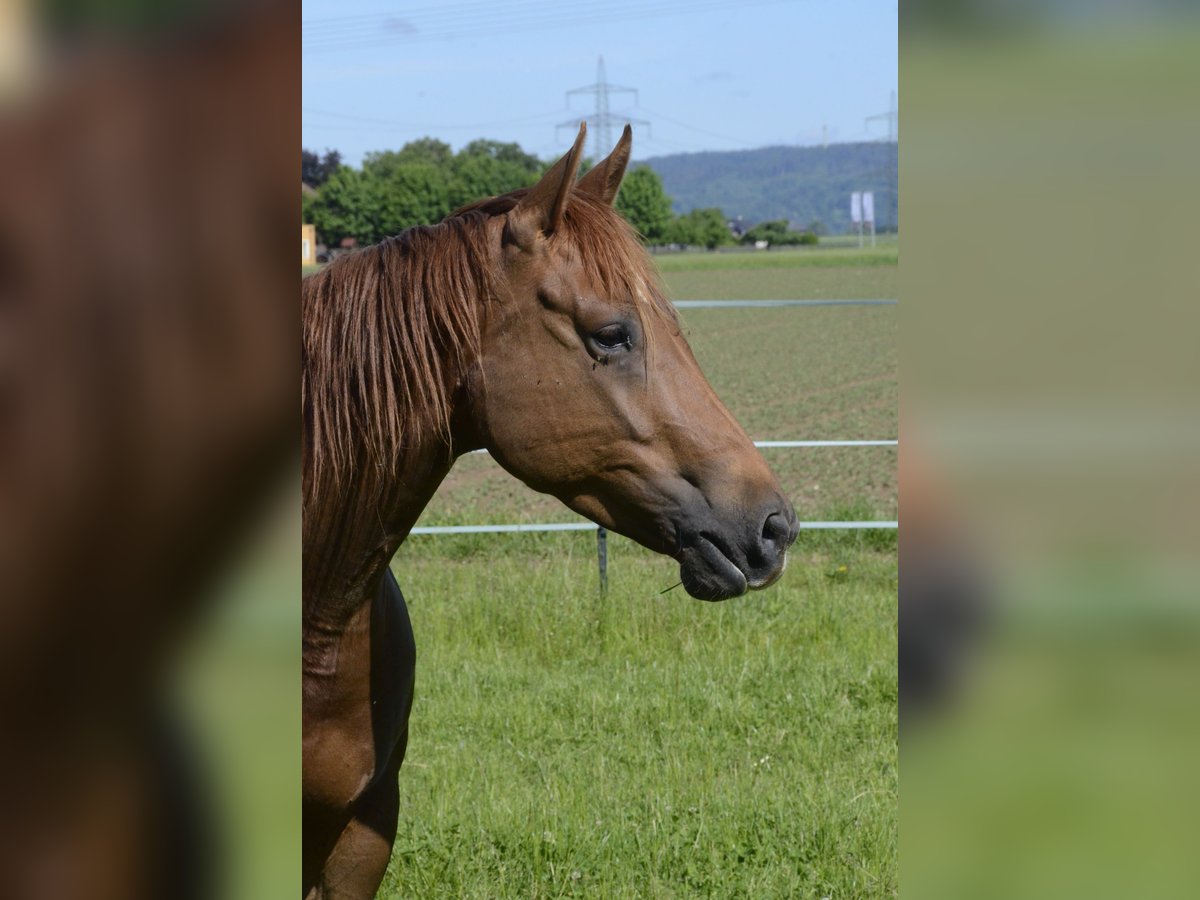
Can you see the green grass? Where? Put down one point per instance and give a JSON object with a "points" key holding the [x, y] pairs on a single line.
{"points": [[819, 273], [884, 254], [832, 377], [830, 241], [645, 744], [642, 744], [767, 283]]}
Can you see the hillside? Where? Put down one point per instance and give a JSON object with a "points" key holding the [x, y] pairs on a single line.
{"points": [[801, 184]]}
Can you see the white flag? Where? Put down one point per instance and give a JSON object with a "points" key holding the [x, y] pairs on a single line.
{"points": [[868, 206], [856, 212]]}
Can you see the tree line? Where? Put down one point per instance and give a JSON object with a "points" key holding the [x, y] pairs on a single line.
{"points": [[424, 181]]}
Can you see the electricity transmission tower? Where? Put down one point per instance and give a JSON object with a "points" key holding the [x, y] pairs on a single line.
{"points": [[892, 119], [600, 123], [892, 140]]}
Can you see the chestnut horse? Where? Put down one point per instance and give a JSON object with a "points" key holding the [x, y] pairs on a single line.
{"points": [[533, 325]]}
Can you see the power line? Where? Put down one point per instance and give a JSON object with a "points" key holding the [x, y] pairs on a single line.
{"points": [[535, 119], [487, 19], [418, 20], [706, 133], [668, 145], [487, 14], [333, 21], [601, 121]]}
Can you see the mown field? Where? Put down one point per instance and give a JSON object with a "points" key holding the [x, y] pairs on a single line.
{"points": [[643, 743]]}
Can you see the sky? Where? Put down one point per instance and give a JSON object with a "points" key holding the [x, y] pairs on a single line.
{"points": [[709, 75]]}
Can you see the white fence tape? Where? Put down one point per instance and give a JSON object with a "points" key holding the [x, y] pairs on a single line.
{"points": [[769, 444], [769, 304], [826, 443], [589, 526], [495, 529]]}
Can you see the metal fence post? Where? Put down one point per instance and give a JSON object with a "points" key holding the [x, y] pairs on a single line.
{"points": [[602, 557]]}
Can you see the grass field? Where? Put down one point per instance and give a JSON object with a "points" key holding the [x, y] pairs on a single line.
{"points": [[645, 744], [641, 744], [886, 254]]}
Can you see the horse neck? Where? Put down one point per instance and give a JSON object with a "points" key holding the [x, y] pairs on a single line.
{"points": [[349, 543], [369, 495]]}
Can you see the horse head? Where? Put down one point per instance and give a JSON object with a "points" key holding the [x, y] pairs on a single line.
{"points": [[585, 388]]}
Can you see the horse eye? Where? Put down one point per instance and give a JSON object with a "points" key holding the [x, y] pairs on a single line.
{"points": [[612, 337]]}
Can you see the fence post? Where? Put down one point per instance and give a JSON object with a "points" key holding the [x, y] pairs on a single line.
{"points": [[602, 557]]}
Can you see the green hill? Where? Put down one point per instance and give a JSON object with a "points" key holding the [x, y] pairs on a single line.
{"points": [[801, 184]]}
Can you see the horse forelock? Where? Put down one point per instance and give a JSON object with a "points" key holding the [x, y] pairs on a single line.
{"points": [[614, 259], [612, 256]]}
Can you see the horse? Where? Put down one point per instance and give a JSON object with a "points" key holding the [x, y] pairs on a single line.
{"points": [[533, 325]]}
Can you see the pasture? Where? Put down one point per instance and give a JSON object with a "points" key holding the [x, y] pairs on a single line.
{"points": [[644, 743], [840, 255]]}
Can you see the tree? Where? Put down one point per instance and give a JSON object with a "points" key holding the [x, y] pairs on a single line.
{"points": [[510, 153], [774, 232], [308, 203], [379, 201], [426, 150], [310, 167], [414, 193], [644, 203], [701, 228], [474, 175], [346, 206], [315, 170], [424, 181]]}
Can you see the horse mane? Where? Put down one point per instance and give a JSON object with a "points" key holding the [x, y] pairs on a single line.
{"points": [[383, 327], [390, 330]]}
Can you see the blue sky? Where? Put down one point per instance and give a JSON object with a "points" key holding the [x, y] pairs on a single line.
{"points": [[709, 75]]}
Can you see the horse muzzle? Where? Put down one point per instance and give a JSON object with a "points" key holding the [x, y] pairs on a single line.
{"points": [[716, 563]]}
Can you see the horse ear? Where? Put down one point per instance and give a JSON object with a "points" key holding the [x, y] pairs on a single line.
{"points": [[541, 209], [604, 179]]}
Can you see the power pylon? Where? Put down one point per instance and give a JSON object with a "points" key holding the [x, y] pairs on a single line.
{"points": [[600, 123], [892, 118], [892, 141]]}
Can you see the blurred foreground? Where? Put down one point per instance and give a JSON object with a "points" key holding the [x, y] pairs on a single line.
{"points": [[1050, 399], [148, 334]]}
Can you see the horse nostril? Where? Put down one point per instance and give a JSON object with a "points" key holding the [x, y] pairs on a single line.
{"points": [[775, 529]]}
